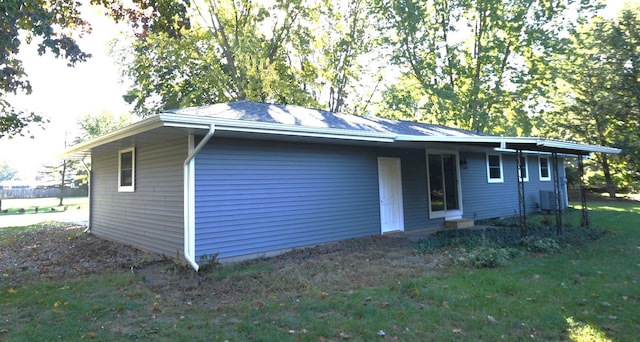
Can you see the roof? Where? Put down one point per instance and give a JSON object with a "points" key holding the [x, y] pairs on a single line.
{"points": [[251, 119]]}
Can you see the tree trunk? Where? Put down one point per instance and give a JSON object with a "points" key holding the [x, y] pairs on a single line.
{"points": [[64, 171], [611, 188]]}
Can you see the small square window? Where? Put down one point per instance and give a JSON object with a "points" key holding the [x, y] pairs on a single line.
{"points": [[494, 168], [127, 170], [545, 170], [523, 171]]}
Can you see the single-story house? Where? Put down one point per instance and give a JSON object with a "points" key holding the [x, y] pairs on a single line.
{"points": [[247, 179]]}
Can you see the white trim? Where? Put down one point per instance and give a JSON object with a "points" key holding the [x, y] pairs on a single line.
{"points": [[526, 168], [447, 214], [548, 178], [495, 180], [132, 187]]}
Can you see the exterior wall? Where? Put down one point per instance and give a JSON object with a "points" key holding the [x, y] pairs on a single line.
{"points": [[261, 196], [151, 217], [414, 188], [484, 200]]}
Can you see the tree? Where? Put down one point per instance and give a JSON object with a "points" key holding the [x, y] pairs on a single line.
{"points": [[93, 126], [482, 64], [600, 100], [286, 51], [54, 27], [7, 172]]}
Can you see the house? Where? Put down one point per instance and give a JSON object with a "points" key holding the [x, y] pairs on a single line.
{"points": [[246, 179]]}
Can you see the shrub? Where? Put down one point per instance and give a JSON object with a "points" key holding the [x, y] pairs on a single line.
{"points": [[540, 245], [486, 257]]}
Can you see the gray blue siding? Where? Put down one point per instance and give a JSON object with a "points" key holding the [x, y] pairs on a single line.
{"points": [[483, 200], [260, 196], [151, 217]]}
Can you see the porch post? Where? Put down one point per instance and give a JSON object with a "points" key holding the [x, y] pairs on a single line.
{"points": [[522, 207], [584, 222], [556, 190]]}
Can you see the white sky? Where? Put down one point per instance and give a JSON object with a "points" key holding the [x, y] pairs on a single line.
{"points": [[65, 94]]}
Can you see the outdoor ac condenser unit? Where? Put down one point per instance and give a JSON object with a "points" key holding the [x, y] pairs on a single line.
{"points": [[548, 200]]}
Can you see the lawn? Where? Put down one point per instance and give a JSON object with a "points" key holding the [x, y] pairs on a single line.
{"points": [[588, 292], [19, 206]]}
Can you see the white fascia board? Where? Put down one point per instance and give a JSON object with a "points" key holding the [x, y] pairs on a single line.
{"points": [[277, 128], [579, 147], [450, 139], [133, 129], [559, 144]]}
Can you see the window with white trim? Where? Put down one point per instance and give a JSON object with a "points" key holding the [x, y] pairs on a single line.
{"points": [[523, 171], [494, 168], [126, 170], [545, 169]]}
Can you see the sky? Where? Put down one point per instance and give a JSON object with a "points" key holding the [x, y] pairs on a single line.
{"points": [[64, 95]]}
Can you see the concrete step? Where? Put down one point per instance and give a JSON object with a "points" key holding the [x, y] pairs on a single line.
{"points": [[459, 223]]}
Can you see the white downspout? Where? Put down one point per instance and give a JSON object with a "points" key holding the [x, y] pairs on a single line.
{"points": [[189, 198]]}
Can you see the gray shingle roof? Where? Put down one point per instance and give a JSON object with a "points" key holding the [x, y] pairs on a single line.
{"points": [[291, 115]]}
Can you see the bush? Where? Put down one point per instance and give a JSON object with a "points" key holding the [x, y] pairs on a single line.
{"points": [[486, 257], [540, 245]]}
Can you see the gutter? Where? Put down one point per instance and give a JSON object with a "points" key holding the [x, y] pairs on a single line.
{"points": [[189, 199]]}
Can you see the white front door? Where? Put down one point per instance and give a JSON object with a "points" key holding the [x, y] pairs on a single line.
{"points": [[390, 183]]}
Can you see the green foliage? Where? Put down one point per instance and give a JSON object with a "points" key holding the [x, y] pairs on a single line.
{"points": [[540, 245], [54, 26], [483, 65], [485, 257], [93, 126], [576, 295], [286, 52], [209, 263], [598, 96]]}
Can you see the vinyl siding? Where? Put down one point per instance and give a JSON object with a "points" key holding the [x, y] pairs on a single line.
{"points": [[483, 200], [255, 197], [151, 217], [414, 188]]}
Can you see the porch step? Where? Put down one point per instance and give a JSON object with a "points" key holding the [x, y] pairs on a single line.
{"points": [[459, 223]]}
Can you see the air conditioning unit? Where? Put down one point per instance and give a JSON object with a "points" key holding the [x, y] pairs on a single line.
{"points": [[548, 200]]}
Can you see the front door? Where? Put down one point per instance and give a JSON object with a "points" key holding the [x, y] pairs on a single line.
{"points": [[390, 184], [444, 185]]}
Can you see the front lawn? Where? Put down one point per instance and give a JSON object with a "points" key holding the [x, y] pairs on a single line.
{"points": [[373, 289]]}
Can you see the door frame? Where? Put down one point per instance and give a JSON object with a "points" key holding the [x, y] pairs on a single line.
{"points": [[397, 162], [447, 214]]}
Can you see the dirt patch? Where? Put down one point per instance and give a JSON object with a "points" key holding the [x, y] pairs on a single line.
{"points": [[61, 253], [56, 252]]}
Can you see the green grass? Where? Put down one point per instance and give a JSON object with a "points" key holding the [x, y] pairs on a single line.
{"points": [[21, 206], [588, 292]]}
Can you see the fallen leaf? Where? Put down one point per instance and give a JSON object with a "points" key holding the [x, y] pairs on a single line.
{"points": [[12, 291]]}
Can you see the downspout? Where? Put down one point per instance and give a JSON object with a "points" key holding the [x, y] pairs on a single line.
{"points": [[189, 198]]}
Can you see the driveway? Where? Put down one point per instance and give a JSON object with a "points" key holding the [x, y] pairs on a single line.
{"points": [[76, 216]]}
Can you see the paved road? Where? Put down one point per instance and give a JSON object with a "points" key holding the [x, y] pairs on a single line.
{"points": [[79, 216]]}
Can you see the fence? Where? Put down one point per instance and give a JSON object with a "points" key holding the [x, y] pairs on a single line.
{"points": [[40, 193]]}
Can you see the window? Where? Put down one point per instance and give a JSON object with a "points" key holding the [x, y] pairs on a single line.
{"points": [[523, 172], [545, 171], [127, 170], [494, 168]]}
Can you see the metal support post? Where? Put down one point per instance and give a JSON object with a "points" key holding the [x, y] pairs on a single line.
{"points": [[556, 192], [522, 207]]}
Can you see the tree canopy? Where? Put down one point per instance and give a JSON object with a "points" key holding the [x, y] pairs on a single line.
{"points": [[54, 27], [513, 67]]}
